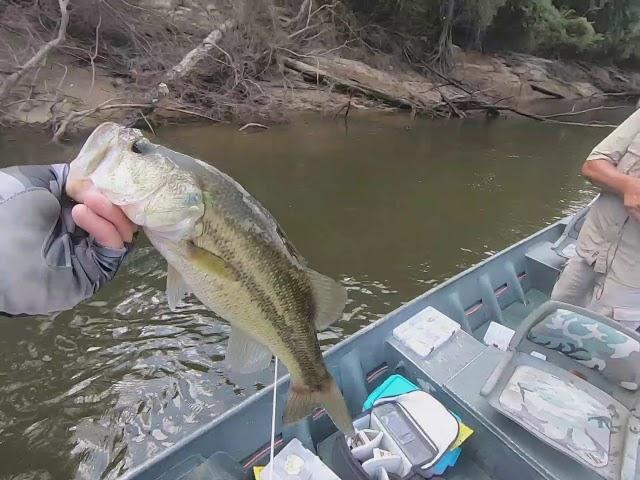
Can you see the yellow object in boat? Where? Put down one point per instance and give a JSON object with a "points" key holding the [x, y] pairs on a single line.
{"points": [[465, 432]]}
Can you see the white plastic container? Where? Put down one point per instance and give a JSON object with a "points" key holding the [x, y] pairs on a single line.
{"points": [[369, 440], [426, 331], [294, 462]]}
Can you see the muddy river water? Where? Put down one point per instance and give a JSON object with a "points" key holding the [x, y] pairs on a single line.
{"points": [[389, 206]]}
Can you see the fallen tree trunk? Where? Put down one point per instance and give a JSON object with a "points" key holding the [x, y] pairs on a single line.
{"points": [[195, 56], [35, 61], [149, 103], [545, 91], [179, 71], [319, 75], [347, 77], [474, 105]]}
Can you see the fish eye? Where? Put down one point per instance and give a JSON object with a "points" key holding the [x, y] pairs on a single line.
{"points": [[135, 148]]}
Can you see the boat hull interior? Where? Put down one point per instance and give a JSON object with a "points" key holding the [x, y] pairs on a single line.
{"points": [[505, 289]]}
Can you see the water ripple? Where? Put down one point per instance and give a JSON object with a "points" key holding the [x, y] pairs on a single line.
{"points": [[90, 393]]}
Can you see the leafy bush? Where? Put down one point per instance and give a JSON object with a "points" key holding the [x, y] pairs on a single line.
{"points": [[540, 27], [621, 21], [589, 29], [420, 18]]}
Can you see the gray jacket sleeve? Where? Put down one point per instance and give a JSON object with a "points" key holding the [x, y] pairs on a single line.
{"points": [[47, 264]]}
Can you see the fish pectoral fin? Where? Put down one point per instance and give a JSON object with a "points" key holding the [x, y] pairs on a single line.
{"points": [[177, 288], [209, 261], [330, 298], [246, 355]]}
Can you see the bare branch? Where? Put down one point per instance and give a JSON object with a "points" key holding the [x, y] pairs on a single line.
{"points": [[141, 112], [94, 54], [79, 115], [304, 29], [580, 112], [190, 112], [10, 50], [495, 108], [304, 7], [455, 110], [252, 124], [191, 59], [74, 116], [231, 65], [40, 55]]}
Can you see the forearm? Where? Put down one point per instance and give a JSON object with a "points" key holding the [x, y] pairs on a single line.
{"points": [[50, 264], [605, 175]]}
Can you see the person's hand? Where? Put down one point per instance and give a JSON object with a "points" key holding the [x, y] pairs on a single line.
{"points": [[631, 196], [100, 218], [604, 174], [66, 251]]}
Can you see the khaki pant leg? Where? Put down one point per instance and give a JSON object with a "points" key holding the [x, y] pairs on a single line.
{"points": [[620, 302], [576, 283]]}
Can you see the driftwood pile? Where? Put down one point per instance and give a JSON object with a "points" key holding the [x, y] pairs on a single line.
{"points": [[440, 97], [448, 99]]}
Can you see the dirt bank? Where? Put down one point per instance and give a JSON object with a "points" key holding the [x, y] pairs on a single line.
{"points": [[510, 79], [196, 78]]}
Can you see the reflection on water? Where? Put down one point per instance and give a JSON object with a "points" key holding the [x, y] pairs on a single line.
{"points": [[390, 207]]}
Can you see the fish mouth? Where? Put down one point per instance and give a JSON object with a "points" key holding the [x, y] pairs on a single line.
{"points": [[106, 142], [116, 134], [108, 145], [126, 138]]}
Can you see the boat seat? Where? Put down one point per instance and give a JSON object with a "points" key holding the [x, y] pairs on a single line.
{"points": [[571, 378]]}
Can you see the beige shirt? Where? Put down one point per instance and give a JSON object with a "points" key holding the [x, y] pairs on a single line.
{"points": [[610, 239]]}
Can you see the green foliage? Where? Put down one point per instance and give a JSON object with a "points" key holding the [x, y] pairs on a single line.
{"points": [[589, 29], [538, 26], [420, 18], [621, 19], [478, 16]]}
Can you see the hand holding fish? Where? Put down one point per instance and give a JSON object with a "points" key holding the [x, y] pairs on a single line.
{"points": [[100, 218], [56, 253]]}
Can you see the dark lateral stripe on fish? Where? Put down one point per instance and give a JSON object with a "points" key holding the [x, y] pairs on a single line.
{"points": [[306, 357]]}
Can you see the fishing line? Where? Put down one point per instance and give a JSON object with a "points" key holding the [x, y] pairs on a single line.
{"points": [[273, 420]]}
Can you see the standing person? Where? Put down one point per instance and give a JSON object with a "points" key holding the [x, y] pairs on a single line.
{"points": [[604, 276], [59, 242]]}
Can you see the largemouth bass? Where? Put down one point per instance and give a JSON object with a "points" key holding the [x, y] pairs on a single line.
{"points": [[223, 246]]}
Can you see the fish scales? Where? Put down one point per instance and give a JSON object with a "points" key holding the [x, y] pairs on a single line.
{"points": [[285, 311], [222, 245]]}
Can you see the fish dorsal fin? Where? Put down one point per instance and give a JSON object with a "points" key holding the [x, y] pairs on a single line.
{"points": [[177, 289], [246, 355], [289, 247], [330, 298], [209, 262]]}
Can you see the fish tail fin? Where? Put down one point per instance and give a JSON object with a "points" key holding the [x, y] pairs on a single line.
{"points": [[302, 400]]}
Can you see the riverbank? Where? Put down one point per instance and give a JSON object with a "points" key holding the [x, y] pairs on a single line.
{"points": [[221, 64], [335, 86]]}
